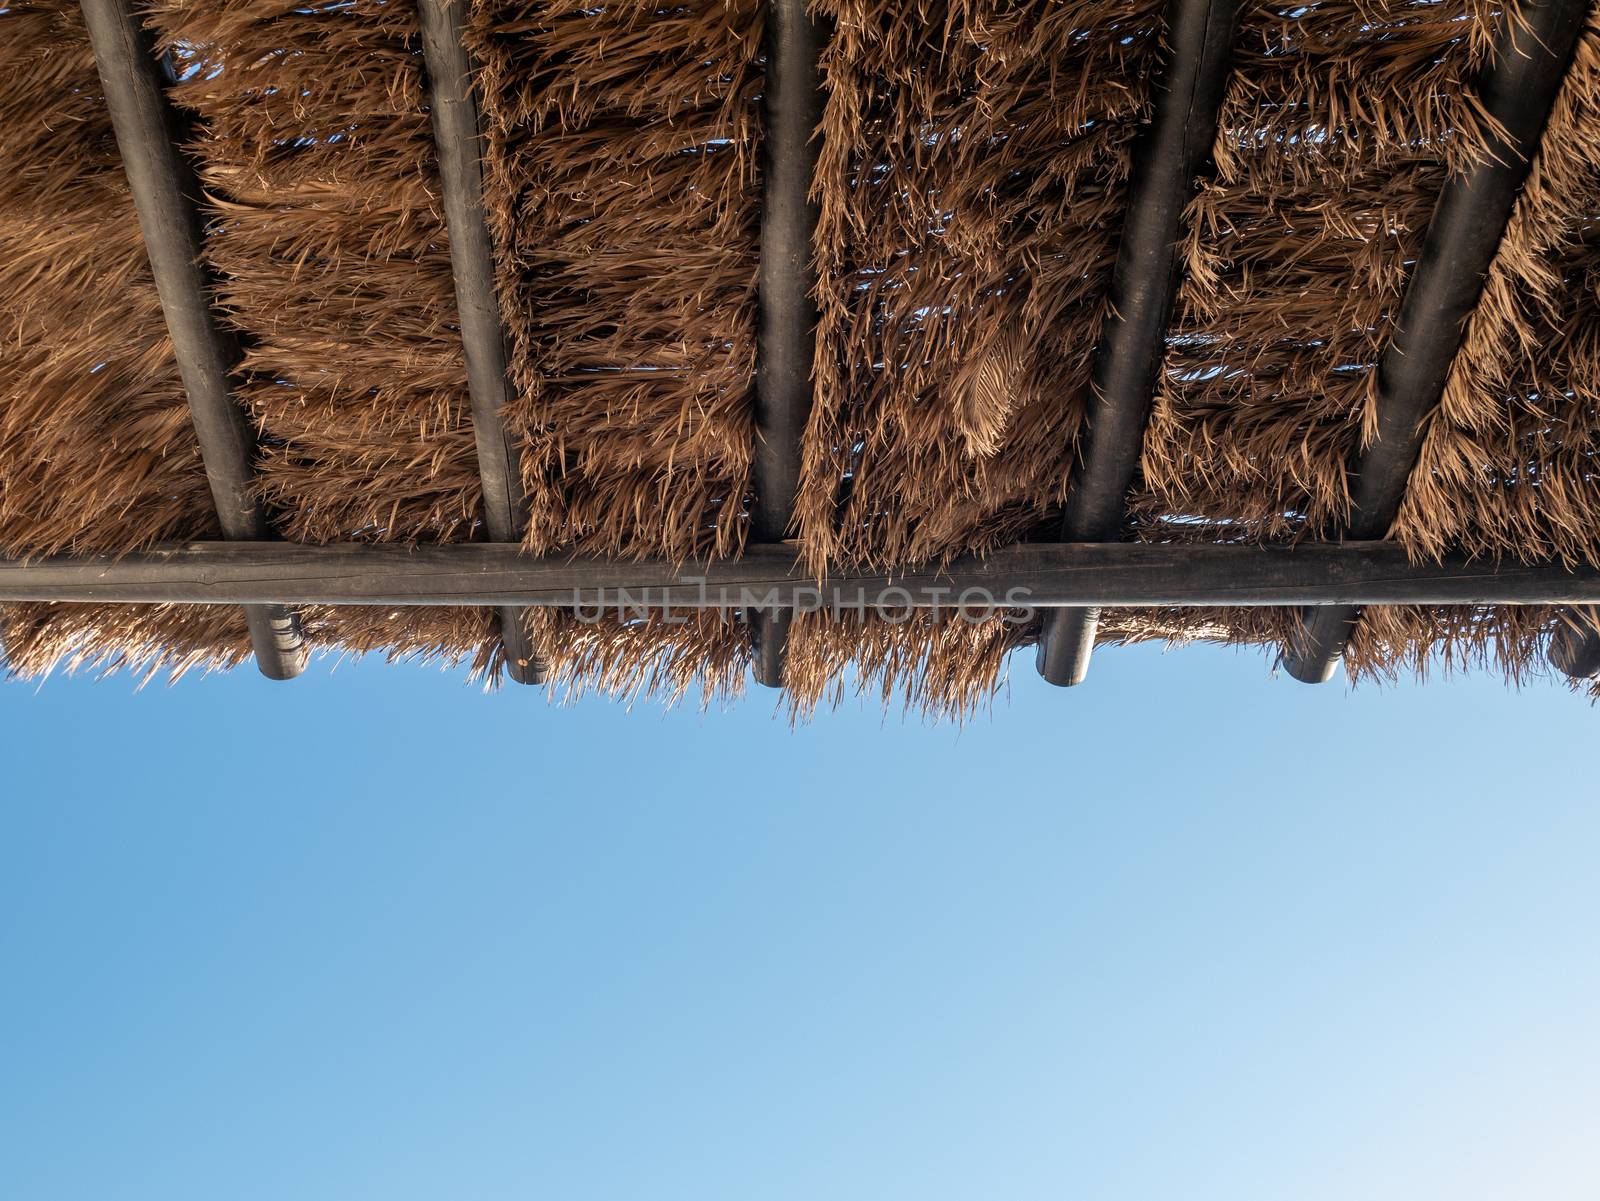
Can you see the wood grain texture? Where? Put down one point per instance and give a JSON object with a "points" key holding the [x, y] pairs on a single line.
{"points": [[164, 193], [786, 338], [1041, 575], [459, 141]]}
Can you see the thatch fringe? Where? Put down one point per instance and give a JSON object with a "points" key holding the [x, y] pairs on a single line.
{"points": [[1413, 640], [171, 641], [649, 656], [451, 637], [944, 666], [146, 641]]}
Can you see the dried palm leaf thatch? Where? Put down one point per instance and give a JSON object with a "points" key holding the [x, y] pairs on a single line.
{"points": [[1508, 466], [1339, 125], [974, 158], [971, 176], [97, 453], [950, 667], [144, 640], [96, 449], [173, 640], [623, 195], [943, 666], [1391, 641], [664, 657], [1411, 640], [314, 145], [315, 148], [449, 636], [1266, 627]]}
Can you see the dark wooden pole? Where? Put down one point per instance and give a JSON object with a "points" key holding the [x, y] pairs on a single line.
{"points": [[458, 139], [787, 336], [1170, 152], [1517, 90], [1035, 575], [165, 195], [1575, 643]]}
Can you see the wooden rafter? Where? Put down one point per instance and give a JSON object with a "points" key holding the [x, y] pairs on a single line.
{"points": [[1468, 223], [165, 195], [1169, 153], [787, 334], [1575, 644], [458, 140]]}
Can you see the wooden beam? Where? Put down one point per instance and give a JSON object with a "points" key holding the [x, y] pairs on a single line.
{"points": [[1575, 644], [1517, 90], [165, 195], [787, 334], [1035, 575], [1168, 155], [458, 140]]}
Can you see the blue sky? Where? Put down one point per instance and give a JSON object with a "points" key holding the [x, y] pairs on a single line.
{"points": [[1187, 931]]}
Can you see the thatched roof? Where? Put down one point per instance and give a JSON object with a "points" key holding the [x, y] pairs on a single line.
{"points": [[973, 160]]}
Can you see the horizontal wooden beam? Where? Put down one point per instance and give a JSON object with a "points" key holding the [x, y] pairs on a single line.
{"points": [[1043, 575]]}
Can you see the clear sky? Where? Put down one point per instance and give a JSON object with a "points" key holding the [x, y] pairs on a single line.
{"points": [[1187, 932]]}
